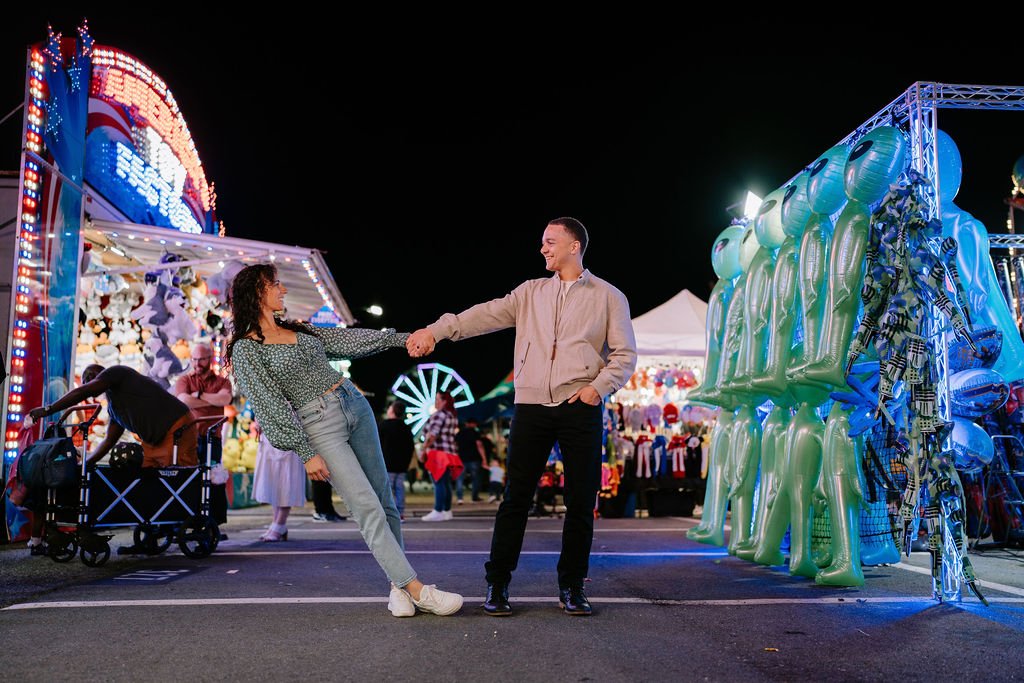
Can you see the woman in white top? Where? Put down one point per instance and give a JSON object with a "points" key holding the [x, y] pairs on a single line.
{"points": [[279, 481]]}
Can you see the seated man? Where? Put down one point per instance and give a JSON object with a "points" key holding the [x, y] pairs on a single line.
{"points": [[206, 393], [138, 404]]}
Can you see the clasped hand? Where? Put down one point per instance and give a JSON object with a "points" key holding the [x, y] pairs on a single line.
{"points": [[420, 343]]}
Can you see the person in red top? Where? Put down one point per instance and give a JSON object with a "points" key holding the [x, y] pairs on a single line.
{"points": [[206, 393], [440, 455]]}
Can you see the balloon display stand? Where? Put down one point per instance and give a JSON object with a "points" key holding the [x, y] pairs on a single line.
{"points": [[861, 281]]}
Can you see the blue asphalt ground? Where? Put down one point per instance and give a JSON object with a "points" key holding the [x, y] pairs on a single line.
{"points": [[314, 609]]}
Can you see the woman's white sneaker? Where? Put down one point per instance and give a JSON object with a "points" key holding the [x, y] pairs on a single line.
{"points": [[434, 516], [447, 515], [437, 601], [400, 603]]}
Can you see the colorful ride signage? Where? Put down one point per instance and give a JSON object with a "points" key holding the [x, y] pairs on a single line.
{"points": [[139, 151], [96, 121]]}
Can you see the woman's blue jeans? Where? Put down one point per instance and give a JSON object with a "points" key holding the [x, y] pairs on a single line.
{"points": [[341, 428], [443, 492]]}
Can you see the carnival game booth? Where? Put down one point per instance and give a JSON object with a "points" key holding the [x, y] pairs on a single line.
{"points": [[654, 440], [116, 255], [146, 298]]}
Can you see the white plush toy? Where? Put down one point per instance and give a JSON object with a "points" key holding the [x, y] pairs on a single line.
{"points": [[96, 435], [92, 306], [84, 356], [107, 355], [218, 285], [87, 336], [121, 303], [115, 333], [130, 333]]}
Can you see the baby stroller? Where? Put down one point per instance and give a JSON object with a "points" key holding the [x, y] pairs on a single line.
{"points": [[549, 487], [165, 505], [1005, 503]]}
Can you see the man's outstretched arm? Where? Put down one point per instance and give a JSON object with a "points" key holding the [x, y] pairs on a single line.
{"points": [[490, 316], [73, 397]]}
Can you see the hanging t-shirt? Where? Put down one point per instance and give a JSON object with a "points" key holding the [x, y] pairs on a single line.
{"points": [[636, 418], [652, 414]]}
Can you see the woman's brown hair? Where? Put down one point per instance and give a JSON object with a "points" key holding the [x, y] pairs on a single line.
{"points": [[246, 301]]}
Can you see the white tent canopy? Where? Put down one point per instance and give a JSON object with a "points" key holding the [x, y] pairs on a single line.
{"points": [[673, 330]]}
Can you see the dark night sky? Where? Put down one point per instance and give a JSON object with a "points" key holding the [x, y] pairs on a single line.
{"points": [[426, 162]]}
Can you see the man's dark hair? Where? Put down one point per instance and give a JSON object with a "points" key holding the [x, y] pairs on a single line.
{"points": [[574, 228], [91, 371], [399, 407]]}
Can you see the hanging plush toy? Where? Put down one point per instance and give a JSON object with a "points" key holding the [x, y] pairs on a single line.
{"points": [[108, 284], [161, 363], [87, 336], [231, 454], [182, 350], [153, 311], [218, 285], [106, 354], [121, 304], [201, 305], [179, 324], [185, 277]]}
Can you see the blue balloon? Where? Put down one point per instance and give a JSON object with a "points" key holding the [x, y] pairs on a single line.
{"points": [[987, 305], [861, 420], [977, 392], [948, 165], [971, 444]]}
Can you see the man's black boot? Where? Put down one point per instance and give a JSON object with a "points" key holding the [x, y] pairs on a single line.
{"points": [[574, 601], [496, 603]]}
